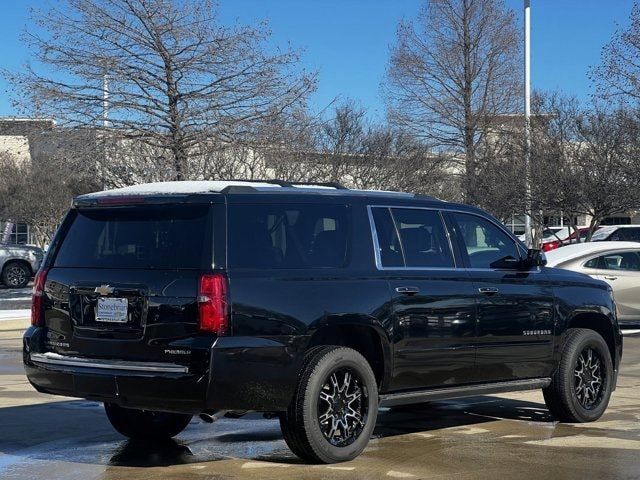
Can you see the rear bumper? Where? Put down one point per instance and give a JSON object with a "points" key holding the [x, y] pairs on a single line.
{"points": [[244, 373]]}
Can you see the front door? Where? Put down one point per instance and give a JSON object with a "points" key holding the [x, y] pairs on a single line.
{"points": [[515, 307], [621, 270], [433, 302]]}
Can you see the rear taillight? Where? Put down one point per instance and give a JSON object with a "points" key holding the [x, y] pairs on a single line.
{"points": [[37, 299], [212, 304]]}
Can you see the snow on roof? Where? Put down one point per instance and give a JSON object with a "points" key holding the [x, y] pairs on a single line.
{"points": [[177, 188], [577, 250], [205, 186]]}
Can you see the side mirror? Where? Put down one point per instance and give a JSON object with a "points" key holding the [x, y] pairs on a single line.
{"points": [[535, 258]]}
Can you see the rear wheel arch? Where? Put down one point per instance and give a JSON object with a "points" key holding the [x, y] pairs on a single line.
{"points": [[363, 337], [19, 261], [599, 323]]}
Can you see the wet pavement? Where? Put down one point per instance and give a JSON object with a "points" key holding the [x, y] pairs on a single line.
{"points": [[15, 298], [487, 437]]}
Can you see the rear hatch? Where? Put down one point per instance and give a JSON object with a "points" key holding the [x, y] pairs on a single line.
{"points": [[123, 282]]}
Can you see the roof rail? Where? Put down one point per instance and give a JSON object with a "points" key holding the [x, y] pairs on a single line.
{"points": [[275, 181], [335, 185]]}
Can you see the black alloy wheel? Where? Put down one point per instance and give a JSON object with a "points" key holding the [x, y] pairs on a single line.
{"points": [[335, 405], [343, 407], [581, 386], [589, 378]]}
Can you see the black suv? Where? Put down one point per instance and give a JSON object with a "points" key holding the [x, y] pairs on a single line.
{"points": [[317, 304]]}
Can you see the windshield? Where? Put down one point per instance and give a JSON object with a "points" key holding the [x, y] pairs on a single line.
{"points": [[150, 237], [602, 234]]}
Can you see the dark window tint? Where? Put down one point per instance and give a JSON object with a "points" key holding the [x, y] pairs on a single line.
{"points": [[485, 243], [593, 263], [287, 236], [626, 234], [137, 237], [389, 246], [423, 239], [629, 261]]}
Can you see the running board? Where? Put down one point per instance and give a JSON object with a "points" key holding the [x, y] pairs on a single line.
{"points": [[406, 398]]}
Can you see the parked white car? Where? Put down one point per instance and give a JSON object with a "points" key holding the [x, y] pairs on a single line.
{"points": [[617, 263]]}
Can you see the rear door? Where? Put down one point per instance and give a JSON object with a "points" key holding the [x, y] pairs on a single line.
{"points": [[123, 284], [515, 307], [432, 301]]}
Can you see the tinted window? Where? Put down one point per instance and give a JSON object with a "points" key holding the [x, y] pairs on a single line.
{"points": [[627, 234], [422, 237], [593, 263], [388, 244], [629, 261], [139, 237], [485, 243], [287, 236]]}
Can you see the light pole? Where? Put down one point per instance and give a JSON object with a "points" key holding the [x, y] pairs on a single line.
{"points": [[527, 121], [105, 100]]}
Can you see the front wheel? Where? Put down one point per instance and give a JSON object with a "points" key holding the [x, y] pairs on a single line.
{"points": [[146, 424], [581, 386], [16, 275], [335, 406]]}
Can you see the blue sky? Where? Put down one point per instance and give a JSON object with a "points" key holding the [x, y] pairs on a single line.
{"points": [[348, 40]]}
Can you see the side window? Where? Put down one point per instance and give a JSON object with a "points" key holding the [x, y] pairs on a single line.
{"points": [[628, 234], [423, 240], [629, 261], [389, 250], [593, 263], [288, 236], [485, 243]]}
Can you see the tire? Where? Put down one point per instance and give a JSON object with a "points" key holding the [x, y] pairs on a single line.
{"points": [[146, 424], [580, 388], [332, 415], [16, 275]]}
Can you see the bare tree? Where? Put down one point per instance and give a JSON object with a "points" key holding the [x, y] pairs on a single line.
{"points": [[174, 76], [451, 72], [39, 192], [607, 163], [618, 75]]}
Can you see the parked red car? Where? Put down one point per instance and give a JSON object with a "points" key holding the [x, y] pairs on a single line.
{"points": [[563, 237]]}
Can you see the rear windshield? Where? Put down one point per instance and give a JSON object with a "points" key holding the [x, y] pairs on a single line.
{"points": [[150, 237], [288, 236]]}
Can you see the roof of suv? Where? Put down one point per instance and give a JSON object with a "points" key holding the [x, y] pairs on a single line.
{"points": [[181, 188]]}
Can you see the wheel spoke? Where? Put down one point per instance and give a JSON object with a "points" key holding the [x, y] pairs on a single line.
{"points": [[342, 407]]}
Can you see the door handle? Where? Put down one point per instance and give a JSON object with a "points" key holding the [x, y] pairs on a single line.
{"points": [[608, 277], [488, 290], [407, 290]]}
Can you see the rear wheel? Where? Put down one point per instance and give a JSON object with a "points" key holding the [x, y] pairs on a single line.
{"points": [[145, 424], [581, 386], [16, 275], [335, 406]]}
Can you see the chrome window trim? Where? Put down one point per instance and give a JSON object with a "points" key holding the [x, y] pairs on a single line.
{"points": [[376, 244], [51, 358]]}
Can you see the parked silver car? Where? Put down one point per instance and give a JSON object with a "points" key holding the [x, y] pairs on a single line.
{"points": [[18, 264], [617, 263]]}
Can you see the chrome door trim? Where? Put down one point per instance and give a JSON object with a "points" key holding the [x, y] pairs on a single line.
{"points": [[51, 358]]}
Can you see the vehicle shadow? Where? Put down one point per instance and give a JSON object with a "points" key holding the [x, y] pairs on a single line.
{"points": [[78, 431]]}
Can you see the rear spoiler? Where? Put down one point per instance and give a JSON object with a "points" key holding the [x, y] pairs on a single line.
{"points": [[134, 200]]}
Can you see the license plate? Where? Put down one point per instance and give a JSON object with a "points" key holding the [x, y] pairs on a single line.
{"points": [[112, 310]]}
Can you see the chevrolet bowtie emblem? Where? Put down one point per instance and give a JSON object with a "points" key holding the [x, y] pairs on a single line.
{"points": [[104, 290]]}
